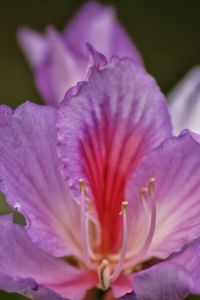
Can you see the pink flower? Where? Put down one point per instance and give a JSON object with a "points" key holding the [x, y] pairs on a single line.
{"points": [[111, 199], [122, 199]]}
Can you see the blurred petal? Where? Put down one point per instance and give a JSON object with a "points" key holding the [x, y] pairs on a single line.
{"points": [[31, 180], [175, 167], [35, 46], [173, 279], [185, 102], [25, 268], [97, 24], [61, 60], [60, 70], [105, 130]]}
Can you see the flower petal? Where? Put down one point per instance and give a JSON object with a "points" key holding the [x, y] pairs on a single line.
{"points": [[122, 286], [97, 24], [61, 60], [162, 281], [105, 130], [173, 279], [55, 65], [28, 288], [129, 296], [31, 181], [59, 70], [189, 260], [175, 167], [185, 102], [35, 46], [25, 268]]}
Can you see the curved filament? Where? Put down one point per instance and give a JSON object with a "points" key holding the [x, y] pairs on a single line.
{"points": [[120, 264], [147, 194]]}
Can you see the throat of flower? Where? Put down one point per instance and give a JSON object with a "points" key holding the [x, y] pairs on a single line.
{"points": [[108, 271], [110, 267]]}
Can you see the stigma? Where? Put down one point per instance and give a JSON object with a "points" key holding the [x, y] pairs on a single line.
{"points": [[104, 275]]}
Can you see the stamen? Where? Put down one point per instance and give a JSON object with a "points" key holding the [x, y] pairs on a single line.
{"points": [[88, 200], [104, 275], [90, 207], [87, 252], [147, 243], [82, 185], [143, 193], [151, 189], [119, 266], [151, 186]]}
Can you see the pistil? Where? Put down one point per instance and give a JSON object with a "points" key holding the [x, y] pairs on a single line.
{"points": [[104, 275]]}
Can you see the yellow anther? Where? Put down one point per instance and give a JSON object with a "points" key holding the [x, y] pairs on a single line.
{"points": [[90, 209], [88, 200], [82, 185], [104, 275], [143, 192], [83, 189], [151, 186]]}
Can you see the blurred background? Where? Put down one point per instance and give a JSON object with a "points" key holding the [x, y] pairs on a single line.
{"points": [[166, 32]]}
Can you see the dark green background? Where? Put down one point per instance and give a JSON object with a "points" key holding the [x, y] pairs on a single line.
{"points": [[166, 32]]}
